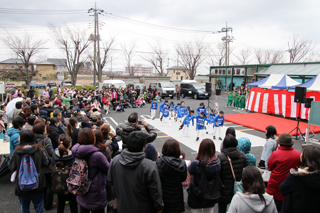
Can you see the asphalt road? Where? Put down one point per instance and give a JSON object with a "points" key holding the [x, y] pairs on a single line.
{"points": [[9, 202]]}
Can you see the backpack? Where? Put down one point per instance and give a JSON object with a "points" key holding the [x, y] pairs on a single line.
{"points": [[209, 190], [28, 178], [59, 176], [78, 182]]}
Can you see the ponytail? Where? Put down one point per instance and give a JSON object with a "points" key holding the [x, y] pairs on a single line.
{"points": [[64, 143]]}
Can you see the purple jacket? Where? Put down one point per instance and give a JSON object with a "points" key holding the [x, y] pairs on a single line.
{"points": [[96, 198]]}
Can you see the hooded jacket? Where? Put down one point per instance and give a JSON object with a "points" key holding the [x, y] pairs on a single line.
{"points": [[239, 161], [301, 191], [48, 146], [212, 168], [40, 160], [244, 145], [150, 152], [252, 204], [55, 132], [124, 130], [136, 183], [14, 136], [96, 197], [66, 159], [280, 163], [172, 171]]}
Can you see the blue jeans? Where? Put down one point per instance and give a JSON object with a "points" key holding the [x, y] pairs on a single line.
{"points": [[37, 200], [178, 96]]}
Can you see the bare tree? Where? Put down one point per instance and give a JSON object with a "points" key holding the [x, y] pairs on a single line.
{"points": [[157, 58], [192, 54], [244, 55], [74, 43], [26, 48], [106, 51], [128, 53], [269, 56], [299, 48]]}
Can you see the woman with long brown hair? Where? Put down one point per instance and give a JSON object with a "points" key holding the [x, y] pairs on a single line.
{"points": [[110, 139], [254, 197], [95, 199], [172, 171], [72, 130], [206, 162]]}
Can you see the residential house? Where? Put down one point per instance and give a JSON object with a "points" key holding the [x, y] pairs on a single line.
{"points": [[51, 69], [177, 73], [12, 64]]}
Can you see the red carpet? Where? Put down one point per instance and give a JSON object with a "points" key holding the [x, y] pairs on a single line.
{"points": [[260, 121]]}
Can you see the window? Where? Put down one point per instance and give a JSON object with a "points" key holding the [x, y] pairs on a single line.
{"points": [[39, 75], [181, 77], [238, 72], [11, 66], [44, 78], [216, 72], [223, 72], [220, 72], [178, 73]]}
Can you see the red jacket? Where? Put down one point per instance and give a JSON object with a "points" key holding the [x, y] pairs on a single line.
{"points": [[280, 163]]}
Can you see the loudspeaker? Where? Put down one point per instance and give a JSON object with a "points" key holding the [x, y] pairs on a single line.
{"points": [[308, 102], [208, 87], [300, 94]]}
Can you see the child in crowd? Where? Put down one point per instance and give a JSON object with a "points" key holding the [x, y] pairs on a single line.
{"points": [[270, 146], [211, 117], [153, 108], [161, 107], [244, 145], [218, 123], [172, 111], [14, 132], [202, 108], [2, 127], [176, 109], [165, 114], [187, 182], [230, 99], [200, 123], [182, 111], [186, 123], [158, 98]]}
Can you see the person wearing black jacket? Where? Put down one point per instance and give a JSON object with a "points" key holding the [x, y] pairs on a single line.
{"points": [[239, 161], [172, 171], [72, 130], [54, 132], [27, 146], [123, 130], [302, 186], [64, 155]]}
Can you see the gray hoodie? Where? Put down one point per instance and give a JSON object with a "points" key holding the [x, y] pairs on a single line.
{"points": [[252, 204]]}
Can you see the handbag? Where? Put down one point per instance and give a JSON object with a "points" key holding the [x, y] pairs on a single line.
{"points": [[237, 185], [266, 175]]}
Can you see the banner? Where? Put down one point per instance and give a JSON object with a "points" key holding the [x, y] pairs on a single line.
{"points": [[278, 102]]}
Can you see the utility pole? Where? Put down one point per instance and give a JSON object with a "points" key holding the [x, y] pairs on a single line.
{"points": [[227, 39], [95, 37]]}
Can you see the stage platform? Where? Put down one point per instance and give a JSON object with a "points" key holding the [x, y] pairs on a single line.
{"points": [[259, 121]]}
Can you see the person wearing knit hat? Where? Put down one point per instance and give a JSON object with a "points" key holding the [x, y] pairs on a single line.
{"points": [[280, 163]]}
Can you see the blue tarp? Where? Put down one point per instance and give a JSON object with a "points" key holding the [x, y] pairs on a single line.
{"points": [[257, 83]]}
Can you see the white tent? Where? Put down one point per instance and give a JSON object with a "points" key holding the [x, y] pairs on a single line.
{"points": [[278, 81]]}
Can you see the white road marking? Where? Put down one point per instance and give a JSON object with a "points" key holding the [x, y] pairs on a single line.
{"points": [[191, 140]]}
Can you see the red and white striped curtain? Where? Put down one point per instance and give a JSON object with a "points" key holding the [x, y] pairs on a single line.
{"points": [[278, 102]]}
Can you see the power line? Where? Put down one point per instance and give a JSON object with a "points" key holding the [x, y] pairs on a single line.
{"points": [[121, 18], [40, 12]]}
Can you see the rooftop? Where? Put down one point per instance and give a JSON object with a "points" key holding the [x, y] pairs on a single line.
{"points": [[177, 68], [58, 61], [12, 61]]}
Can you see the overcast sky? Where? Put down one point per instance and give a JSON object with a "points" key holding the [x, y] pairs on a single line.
{"points": [[267, 24]]}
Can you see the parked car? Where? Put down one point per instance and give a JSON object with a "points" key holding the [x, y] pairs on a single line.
{"points": [[65, 83], [10, 85], [194, 89], [116, 83], [52, 84], [164, 89]]}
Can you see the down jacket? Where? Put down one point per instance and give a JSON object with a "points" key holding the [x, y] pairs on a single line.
{"points": [[48, 146], [239, 161], [172, 171], [96, 197], [301, 189], [124, 130]]}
